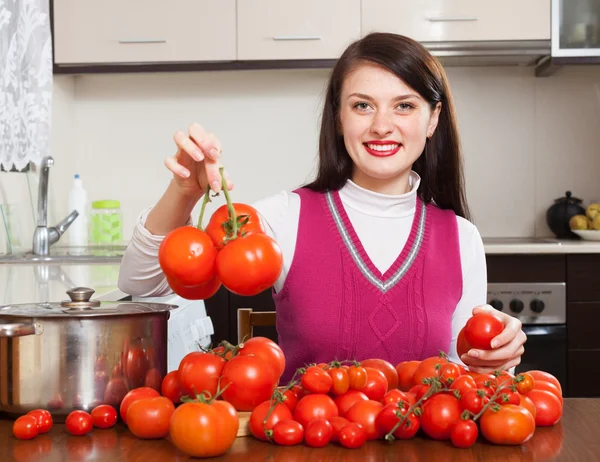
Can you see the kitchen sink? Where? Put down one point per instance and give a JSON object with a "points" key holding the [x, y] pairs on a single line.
{"points": [[67, 254]]}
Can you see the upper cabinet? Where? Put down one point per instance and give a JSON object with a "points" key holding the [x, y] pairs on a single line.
{"points": [[308, 29], [144, 31], [459, 20]]}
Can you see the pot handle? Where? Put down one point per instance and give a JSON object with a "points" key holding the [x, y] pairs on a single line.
{"points": [[20, 329]]}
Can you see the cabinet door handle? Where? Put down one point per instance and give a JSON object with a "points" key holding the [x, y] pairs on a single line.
{"points": [[296, 37], [452, 19], [134, 41]]}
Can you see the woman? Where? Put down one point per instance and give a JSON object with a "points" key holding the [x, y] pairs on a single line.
{"points": [[380, 259]]}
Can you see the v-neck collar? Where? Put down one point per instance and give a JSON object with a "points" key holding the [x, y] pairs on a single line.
{"points": [[352, 243]]}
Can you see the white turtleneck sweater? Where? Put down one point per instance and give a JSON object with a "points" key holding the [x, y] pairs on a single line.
{"points": [[368, 211]]}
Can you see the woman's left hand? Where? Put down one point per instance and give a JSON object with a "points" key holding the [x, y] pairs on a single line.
{"points": [[507, 347]]}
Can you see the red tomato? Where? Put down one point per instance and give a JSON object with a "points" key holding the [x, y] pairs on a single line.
{"points": [[481, 329], [347, 400], [171, 388], [449, 373], [43, 419], [406, 371], [353, 436], [134, 395], [220, 225], [507, 396], [510, 425], [545, 377], [257, 422], [25, 427], [548, 386], [247, 381], [318, 433], [418, 391], [196, 292], [525, 383], [79, 423], [376, 386], [548, 409], [428, 368], [104, 416], [439, 414], [357, 377], [390, 415], [388, 370], [463, 383], [462, 346], [149, 418], [288, 433], [204, 430], [187, 256], [316, 380], [464, 433], [316, 406], [527, 404], [136, 364], [365, 413], [337, 423], [395, 396], [249, 265], [266, 349], [199, 372], [290, 399], [340, 381], [473, 401]]}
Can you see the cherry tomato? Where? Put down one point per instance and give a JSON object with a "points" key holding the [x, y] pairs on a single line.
{"points": [[449, 373], [266, 349], [79, 423], [390, 415], [104, 416], [390, 372], [290, 399], [510, 425], [347, 400], [288, 433], [337, 423], [525, 383], [220, 225], [353, 436], [187, 256], [257, 422], [315, 406], [43, 418], [249, 265], [134, 395], [318, 433], [316, 380], [247, 381], [171, 388], [463, 383], [149, 418], [365, 413], [395, 396], [473, 400], [340, 380], [406, 371], [439, 414], [199, 372], [376, 386], [25, 427], [357, 377], [429, 367], [548, 409], [481, 329], [464, 433]]}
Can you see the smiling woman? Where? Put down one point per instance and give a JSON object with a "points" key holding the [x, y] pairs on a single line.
{"points": [[379, 258]]}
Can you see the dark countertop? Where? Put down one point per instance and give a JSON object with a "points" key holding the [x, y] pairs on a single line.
{"points": [[575, 438]]}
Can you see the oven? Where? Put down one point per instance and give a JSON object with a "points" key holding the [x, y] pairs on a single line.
{"points": [[542, 308]]}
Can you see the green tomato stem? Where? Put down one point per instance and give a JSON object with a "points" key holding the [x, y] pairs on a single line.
{"points": [[230, 208], [204, 202]]}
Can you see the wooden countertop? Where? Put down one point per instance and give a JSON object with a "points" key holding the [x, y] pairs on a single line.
{"points": [[575, 438]]}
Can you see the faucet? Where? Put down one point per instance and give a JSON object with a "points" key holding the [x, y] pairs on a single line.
{"points": [[43, 236]]}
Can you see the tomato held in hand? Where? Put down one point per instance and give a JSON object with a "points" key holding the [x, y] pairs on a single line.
{"points": [[249, 265], [149, 418], [510, 425], [462, 346], [25, 427], [104, 416], [197, 292], [220, 225], [187, 256], [481, 329], [43, 418], [79, 423]]}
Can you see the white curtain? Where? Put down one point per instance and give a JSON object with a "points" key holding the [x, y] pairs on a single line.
{"points": [[25, 82]]}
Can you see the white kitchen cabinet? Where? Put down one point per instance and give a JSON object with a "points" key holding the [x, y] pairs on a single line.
{"points": [[459, 20], [292, 29], [144, 31]]}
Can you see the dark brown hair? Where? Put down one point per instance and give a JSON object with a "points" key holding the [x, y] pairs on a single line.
{"points": [[440, 164]]}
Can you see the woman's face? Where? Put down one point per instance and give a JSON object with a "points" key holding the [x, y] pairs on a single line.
{"points": [[385, 124]]}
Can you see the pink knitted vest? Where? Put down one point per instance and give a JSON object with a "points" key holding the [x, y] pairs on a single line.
{"points": [[335, 304]]}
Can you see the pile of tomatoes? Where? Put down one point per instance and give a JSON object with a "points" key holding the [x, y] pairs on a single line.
{"points": [[233, 250]]}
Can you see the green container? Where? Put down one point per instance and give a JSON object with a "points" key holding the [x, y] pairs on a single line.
{"points": [[106, 222]]}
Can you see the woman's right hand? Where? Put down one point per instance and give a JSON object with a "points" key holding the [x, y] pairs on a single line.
{"points": [[195, 165]]}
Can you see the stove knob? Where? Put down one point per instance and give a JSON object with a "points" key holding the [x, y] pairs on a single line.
{"points": [[537, 306], [516, 306], [497, 304]]}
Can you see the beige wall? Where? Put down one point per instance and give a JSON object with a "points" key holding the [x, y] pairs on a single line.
{"points": [[526, 140]]}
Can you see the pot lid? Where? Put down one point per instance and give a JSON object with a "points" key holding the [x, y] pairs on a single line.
{"points": [[80, 305], [568, 198]]}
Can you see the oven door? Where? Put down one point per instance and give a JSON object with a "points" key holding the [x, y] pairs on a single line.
{"points": [[546, 350]]}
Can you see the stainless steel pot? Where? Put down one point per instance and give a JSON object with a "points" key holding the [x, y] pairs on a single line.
{"points": [[79, 353]]}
